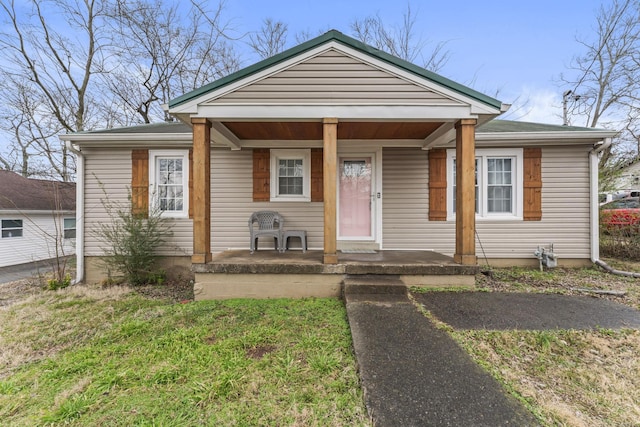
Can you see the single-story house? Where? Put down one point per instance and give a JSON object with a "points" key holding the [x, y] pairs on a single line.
{"points": [[387, 168], [37, 218]]}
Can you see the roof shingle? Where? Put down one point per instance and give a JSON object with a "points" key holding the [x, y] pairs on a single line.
{"points": [[20, 193]]}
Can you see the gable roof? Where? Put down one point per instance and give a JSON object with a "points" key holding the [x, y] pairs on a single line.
{"points": [[20, 193], [338, 37]]}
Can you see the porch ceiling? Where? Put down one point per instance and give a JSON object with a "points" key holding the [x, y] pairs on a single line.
{"points": [[346, 130]]}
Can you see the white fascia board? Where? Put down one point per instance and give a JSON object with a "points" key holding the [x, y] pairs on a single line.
{"points": [[563, 136], [194, 107], [28, 212], [191, 107], [238, 112], [129, 139]]}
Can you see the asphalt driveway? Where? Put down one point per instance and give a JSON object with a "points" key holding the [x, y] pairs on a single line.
{"points": [[499, 311], [415, 374]]}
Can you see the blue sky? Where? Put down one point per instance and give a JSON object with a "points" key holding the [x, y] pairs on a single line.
{"points": [[511, 49]]}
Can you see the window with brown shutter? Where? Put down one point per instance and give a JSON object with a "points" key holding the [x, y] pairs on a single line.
{"points": [[262, 174], [140, 182], [532, 164], [437, 185]]}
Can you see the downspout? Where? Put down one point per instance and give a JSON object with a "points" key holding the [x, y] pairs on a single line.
{"points": [[79, 211], [593, 196]]}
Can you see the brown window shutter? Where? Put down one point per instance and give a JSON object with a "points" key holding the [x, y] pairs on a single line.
{"points": [[437, 185], [317, 193], [190, 183], [140, 182], [261, 166], [532, 184]]}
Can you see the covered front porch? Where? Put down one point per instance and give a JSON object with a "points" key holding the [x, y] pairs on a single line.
{"points": [[271, 274], [313, 119]]}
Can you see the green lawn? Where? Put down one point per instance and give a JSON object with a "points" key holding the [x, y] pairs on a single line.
{"points": [[90, 356]]}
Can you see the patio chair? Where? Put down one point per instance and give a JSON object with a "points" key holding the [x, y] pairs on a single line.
{"points": [[269, 223]]}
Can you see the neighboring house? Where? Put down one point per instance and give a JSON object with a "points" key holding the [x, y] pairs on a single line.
{"points": [[365, 152], [628, 179], [37, 217]]}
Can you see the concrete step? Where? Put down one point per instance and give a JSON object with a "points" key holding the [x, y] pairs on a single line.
{"points": [[386, 284]]}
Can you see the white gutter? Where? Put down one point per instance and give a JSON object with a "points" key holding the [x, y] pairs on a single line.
{"points": [[79, 211], [594, 217]]}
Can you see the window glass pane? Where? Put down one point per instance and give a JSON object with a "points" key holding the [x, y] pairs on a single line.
{"points": [[11, 228], [291, 177], [69, 228], [499, 185], [11, 223], [170, 184]]}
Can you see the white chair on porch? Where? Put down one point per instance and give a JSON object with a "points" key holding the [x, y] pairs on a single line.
{"points": [[266, 223]]}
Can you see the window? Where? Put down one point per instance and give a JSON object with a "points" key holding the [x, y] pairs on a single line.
{"points": [[69, 228], [11, 228], [498, 182], [169, 182], [290, 175]]}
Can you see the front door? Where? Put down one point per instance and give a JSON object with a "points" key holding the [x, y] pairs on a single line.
{"points": [[355, 202]]}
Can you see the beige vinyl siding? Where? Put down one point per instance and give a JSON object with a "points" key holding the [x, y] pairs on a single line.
{"points": [[335, 78], [565, 209], [108, 172], [232, 204], [405, 202]]}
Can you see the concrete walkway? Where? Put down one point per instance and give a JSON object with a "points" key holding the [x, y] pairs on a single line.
{"points": [[414, 374]]}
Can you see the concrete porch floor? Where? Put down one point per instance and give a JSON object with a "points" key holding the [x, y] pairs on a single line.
{"points": [[297, 262], [270, 274]]}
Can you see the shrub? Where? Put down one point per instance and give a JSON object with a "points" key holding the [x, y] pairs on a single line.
{"points": [[619, 241], [55, 283], [131, 242]]}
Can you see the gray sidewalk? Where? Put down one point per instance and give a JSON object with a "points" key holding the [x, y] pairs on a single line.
{"points": [[414, 374]]}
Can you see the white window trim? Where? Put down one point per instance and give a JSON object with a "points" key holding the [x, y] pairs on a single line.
{"points": [[518, 189], [64, 228], [275, 156], [21, 228], [153, 200]]}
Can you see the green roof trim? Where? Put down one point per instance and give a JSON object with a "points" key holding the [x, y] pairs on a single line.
{"points": [[337, 36]]}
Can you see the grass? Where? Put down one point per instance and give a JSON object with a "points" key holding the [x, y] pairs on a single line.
{"points": [[112, 356], [91, 356], [567, 378]]}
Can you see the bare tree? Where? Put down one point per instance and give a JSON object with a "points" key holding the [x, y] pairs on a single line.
{"points": [[604, 82], [270, 39], [56, 65], [163, 52], [400, 41]]}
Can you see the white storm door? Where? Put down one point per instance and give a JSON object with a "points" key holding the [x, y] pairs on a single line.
{"points": [[355, 201]]}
